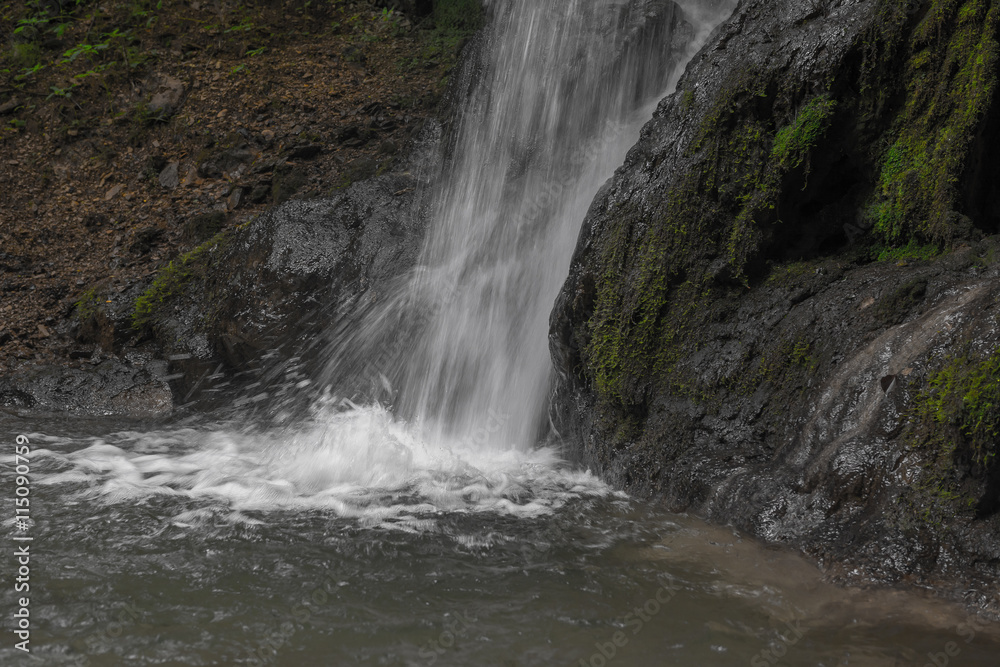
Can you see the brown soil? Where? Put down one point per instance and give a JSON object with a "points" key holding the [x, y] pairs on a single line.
{"points": [[282, 99]]}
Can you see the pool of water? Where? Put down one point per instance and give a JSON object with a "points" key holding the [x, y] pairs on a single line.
{"points": [[349, 541]]}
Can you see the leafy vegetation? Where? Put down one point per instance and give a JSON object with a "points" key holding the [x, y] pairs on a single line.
{"points": [[87, 305]]}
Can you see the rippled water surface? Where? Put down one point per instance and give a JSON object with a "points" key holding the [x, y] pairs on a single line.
{"points": [[202, 546]]}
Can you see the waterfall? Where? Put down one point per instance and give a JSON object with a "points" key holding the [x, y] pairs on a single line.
{"points": [[561, 94], [457, 351]]}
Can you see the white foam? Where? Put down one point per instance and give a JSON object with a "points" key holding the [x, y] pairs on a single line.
{"points": [[359, 463]]}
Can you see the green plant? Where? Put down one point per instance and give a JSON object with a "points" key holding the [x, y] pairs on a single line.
{"points": [[30, 71], [29, 25], [61, 92], [950, 78], [793, 142], [910, 252], [142, 10], [245, 25], [88, 303], [960, 408], [171, 281], [88, 50], [392, 21], [60, 29], [135, 57]]}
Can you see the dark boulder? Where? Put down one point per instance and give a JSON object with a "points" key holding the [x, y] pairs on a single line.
{"points": [[724, 337], [258, 296], [134, 387]]}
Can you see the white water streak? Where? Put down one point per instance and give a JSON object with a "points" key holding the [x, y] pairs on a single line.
{"points": [[562, 96]]}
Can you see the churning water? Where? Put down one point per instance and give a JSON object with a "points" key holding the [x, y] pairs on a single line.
{"points": [[429, 528]]}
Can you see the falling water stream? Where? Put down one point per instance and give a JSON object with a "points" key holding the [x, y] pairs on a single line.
{"points": [[432, 526]]}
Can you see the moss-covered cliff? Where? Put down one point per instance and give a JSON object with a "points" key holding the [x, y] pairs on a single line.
{"points": [[815, 197]]}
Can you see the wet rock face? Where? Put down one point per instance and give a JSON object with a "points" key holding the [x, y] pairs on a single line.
{"points": [[134, 388], [725, 342], [311, 255], [270, 290]]}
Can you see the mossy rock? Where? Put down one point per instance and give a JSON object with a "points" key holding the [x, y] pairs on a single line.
{"points": [[171, 282]]}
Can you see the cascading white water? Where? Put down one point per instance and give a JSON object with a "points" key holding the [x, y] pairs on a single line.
{"points": [[547, 122], [560, 95]]}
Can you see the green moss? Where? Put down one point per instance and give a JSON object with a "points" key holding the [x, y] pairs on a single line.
{"points": [[88, 303], [687, 99], [960, 408], [911, 252], [925, 83], [950, 81], [787, 274], [739, 91], [785, 364], [652, 297], [955, 422], [25, 54], [800, 354], [172, 280], [793, 143]]}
